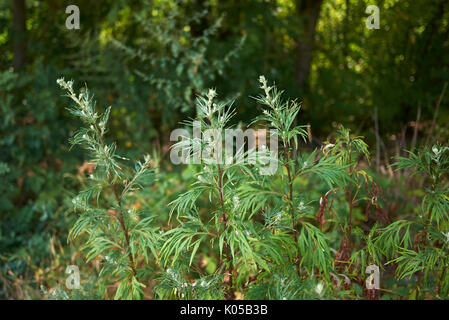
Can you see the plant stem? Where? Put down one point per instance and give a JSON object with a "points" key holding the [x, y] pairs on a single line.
{"points": [[229, 294], [124, 229], [290, 194], [290, 200], [350, 206], [118, 198]]}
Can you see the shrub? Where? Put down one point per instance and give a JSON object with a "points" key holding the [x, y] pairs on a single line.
{"points": [[418, 246], [238, 232]]}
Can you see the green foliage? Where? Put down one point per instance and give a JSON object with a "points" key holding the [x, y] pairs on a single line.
{"points": [[418, 247], [173, 57], [226, 228], [32, 168], [230, 231], [117, 234]]}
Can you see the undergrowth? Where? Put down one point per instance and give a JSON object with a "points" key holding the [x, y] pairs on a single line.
{"points": [[311, 229]]}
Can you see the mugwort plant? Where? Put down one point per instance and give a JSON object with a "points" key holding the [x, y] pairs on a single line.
{"points": [[249, 224]]}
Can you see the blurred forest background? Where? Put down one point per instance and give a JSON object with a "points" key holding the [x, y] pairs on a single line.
{"points": [[150, 59]]}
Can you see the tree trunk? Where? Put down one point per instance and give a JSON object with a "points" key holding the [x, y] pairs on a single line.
{"points": [[19, 34], [308, 12]]}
